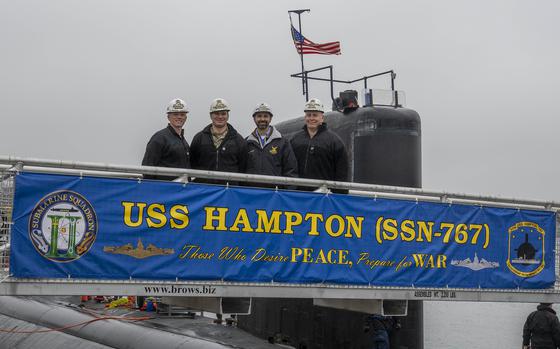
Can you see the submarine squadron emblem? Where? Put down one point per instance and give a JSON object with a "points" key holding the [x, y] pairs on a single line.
{"points": [[525, 249], [63, 226]]}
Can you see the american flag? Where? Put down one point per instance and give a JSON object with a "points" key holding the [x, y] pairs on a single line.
{"points": [[305, 46]]}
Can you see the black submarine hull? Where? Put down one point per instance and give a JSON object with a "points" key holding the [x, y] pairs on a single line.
{"points": [[384, 148], [383, 143]]}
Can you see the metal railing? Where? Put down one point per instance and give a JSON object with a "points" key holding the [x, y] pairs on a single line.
{"points": [[12, 163], [6, 206], [305, 76], [10, 166]]}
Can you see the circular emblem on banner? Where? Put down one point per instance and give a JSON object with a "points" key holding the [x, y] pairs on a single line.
{"points": [[526, 249], [63, 226]]}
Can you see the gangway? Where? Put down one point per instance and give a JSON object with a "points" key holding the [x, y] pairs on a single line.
{"points": [[12, 167]]}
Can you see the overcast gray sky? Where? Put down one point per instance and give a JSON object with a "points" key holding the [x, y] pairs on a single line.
{"points": [[89, 80]]}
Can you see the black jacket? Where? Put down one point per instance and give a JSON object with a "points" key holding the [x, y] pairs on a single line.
{"points": [[321, 157], [377, 322], [230, 156], [166, 148], [542, 329], [276, 158]]}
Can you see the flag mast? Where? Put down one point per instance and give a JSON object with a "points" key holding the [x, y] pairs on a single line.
{"points": [[303, 76]]}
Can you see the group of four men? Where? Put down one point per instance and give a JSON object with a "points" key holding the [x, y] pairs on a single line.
{"points": [[315, 152]]}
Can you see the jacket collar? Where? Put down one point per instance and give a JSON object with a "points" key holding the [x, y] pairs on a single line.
{"points": [[231, 131], [322, 128], [546, 308], [172, 130], [254, 136]]}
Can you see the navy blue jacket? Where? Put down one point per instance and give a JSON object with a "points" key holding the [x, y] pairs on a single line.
{"points": [[275, 158]]}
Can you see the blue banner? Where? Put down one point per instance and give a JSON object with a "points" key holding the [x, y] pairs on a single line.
{"points": [[72, 227]]}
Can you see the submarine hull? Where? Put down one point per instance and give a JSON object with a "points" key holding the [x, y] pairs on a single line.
{"points": [[384, 148]]}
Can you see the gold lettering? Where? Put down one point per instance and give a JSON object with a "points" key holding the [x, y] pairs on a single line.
{"points": [[321, 257], [243, 219], [292, 219], [356, 227], [296, 252], [156, 211], [407, 233], [127, 216], [179, 217], [211, 218], [390, 231], [329, 224], [315, 217], [266, 225], [425, 228], [307, 255]]}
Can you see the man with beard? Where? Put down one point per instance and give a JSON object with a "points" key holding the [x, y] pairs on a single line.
{"points": [[268, 152]]}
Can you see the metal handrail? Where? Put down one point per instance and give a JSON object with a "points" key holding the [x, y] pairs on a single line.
{"points": [[358, 188], [304, 75]]}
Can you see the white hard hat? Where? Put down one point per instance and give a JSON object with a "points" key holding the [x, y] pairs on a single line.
{"points": [[219, 104], [314, 105], [177, 106], [263, 108]]}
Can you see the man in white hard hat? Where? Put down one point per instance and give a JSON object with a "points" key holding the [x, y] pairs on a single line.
{"points": [[218, 147], [320, 153], [168, 147], [269, 153]]}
